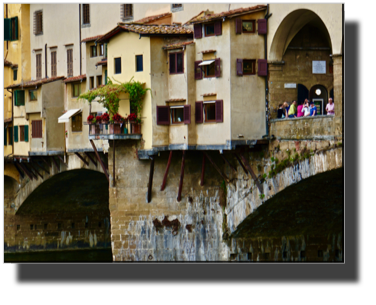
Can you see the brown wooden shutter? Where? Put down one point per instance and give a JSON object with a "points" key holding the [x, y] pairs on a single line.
{"points": [[238, 26], [40, 22], [35, 23], [197, 31], [163, 115], [218, 28], [187, 114], [262, 26], [239, 67], [262, 67], [198, 71], [219, 111], [70, 62], [39, 66], [217, 67], [53, 64], [199, 115]]}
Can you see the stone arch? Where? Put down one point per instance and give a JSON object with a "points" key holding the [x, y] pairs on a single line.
{"points": [[290, 26]]}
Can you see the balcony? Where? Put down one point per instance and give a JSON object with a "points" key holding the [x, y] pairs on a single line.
{"points": [[117, 131]]}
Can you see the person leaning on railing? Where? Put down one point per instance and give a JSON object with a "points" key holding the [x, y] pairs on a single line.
{"points": [[313, 110], [330, 107], [305, 109], [292, 110]]}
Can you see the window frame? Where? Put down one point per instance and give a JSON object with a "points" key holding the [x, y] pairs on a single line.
{"points": [[176, 62], [254, 26], [80, 125], [142, 63], [99, 80], [101, 49], [254, 66], [38, 14], [34, 131], [79, 89], [30, 92], [70, 63], [206, 25], [172, 111], [21, 129], [126, 8], [91, 83], [93, 47], [205, 103], [14, 28], [206, 67], [117, 58]]}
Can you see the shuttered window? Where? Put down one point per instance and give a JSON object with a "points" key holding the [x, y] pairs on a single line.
{"points": [[38, 61], [248, 26], [10, 135], [105, 77], [218, 28], [15, 74], [77, 122], [209, 29], [197, 31], [262, 26], [33, 95], [187, 114], [163, 115], [199, 112], [22, 133], [219, 111], [245, 67], [99, 81], [198, 71], [126, 11], [214, 69], [238, 26], [93, 51], [14, 28], [7, 29], [19, 98], [86, 13], [36, 129], [117, 65], [176, 62], [217, 64], [262, 67], [26, 133], [15, 133], [213, 111], [177, 115], [38, 23], [53, 64], [70, 62], [5, 136]]}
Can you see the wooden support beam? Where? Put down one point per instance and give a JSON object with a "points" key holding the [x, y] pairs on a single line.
{"points": [[241, 163], [91, 159], [45, 159], [202, 170], [28, 167], [26, 171], [100, 160], [82, 159], [181, 176], [216, 167], [62, 160], [113, 165], [166, 172], [229, 164], [34, 169], [40, 166], [150, 185], [19, 169], [56, 163], [252, 173]]}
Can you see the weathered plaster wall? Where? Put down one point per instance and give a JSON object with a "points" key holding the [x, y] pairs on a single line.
{"points": [[37, 144], [247, 91]]}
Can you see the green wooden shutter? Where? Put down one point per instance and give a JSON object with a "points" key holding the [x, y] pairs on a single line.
{"points": [[21, 98], [15, 133], [15, 98], [7, 29], [26, 133], [5, 136], [10, 135], [105, 77]]}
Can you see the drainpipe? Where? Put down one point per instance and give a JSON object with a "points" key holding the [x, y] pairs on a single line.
{"points": [[45, 60], [79, 34], [266, 78]]}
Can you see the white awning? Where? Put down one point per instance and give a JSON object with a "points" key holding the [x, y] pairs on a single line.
{"points": [[206, 62], [66, 116]]}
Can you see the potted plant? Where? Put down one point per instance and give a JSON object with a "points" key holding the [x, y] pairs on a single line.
{"points": [[90, 118], [98, 119], [135, 123], [115, 124], [94, 129]]}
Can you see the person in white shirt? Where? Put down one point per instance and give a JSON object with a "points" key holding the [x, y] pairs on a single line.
{"points": [[305, 108]]}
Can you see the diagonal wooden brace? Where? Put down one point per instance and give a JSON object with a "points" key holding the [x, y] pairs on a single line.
{"points": [[100, 160], [150, 185], [252, 173], [82, 159], [56, 163], [91, 159], [181, 176], [166, 172], [229, 164], [202, 170], [216, 167], [241, 163]]}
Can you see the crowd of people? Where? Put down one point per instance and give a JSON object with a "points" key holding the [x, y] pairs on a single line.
{"points": [[307, 109]]}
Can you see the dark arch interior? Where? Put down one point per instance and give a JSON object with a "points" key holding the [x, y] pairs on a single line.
{"points": [[313, 206], [72, 191]]}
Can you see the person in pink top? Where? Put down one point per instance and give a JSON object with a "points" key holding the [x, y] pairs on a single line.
{"points": [[330, 107]]}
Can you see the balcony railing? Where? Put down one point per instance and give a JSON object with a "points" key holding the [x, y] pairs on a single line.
{"points": [[125, 130]]}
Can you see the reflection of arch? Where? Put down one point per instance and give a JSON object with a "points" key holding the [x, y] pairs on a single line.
{"points": [[323, 95], [290, 26]]}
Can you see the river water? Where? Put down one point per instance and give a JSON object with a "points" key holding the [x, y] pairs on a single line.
{"points": [[97, 255]]}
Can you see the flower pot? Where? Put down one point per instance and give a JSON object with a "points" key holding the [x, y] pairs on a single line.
{"points": [[136, 128], [94, 129], [125, 130], [115, 128]]}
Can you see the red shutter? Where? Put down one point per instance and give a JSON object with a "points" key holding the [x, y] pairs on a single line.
{"points": [[163, 115], [219, 111], [187, 114], [238, 26], [262, 27], [262, 67], [217, 67], [198, 31], [239, 67], [199, 112], [198, 71], [218, 28]]}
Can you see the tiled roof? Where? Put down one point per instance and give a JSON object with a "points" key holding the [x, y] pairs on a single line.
{"points": [[177, 45], [176, 100], [7, 63], [103, 62], [208, 16], [209, 94], [75, 78], [91, 38], [36, 82], [153, 18], [148, 29], [208, 51]]}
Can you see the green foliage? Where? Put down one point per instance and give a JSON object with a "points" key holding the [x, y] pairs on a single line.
{"points": [[262, 196], [339, 144], [262, 154], [272, 159], [223, 187]]}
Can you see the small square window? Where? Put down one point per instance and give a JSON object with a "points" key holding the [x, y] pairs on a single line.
{"points": [[209, 70], [209, 29], [93, 51], [117, 65], [77, 122], [177, 115], [33, 95], [248, 26], [209, 111], [139, 63], [249, 67], [76, 89], [176, 63]]}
